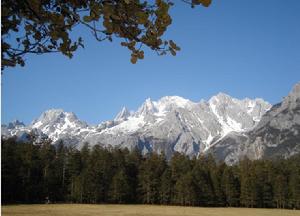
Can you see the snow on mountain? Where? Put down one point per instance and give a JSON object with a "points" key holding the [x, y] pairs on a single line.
{"points": [[56, 124], [277, 134], [170, 102], [122, 115], [170, 124], [237, 115]]}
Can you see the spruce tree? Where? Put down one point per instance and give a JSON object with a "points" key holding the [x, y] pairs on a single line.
{"points": [[119, 187], [230, 186], [166, 187]]}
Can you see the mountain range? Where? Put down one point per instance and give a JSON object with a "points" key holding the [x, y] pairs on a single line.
{"points": [[227, 127]]}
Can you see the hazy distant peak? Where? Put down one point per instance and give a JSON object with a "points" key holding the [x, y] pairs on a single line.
{"points": [[15, 124]]}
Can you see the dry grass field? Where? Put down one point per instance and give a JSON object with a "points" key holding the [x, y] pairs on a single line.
{"points": [[135, 210]]}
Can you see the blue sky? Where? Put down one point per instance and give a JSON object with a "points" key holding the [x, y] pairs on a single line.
{"points": [[243, 48]]}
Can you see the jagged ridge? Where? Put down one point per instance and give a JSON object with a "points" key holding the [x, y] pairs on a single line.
{"points": [[169, 124]]}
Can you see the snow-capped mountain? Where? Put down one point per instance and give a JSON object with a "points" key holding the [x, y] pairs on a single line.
{"points": [[276, 134], [169, 124], [57, 124], [227, 127]]}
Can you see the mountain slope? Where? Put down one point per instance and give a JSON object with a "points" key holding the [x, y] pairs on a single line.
{"points": [[276, 135], [169, 124]]}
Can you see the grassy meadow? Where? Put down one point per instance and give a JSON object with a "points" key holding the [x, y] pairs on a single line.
{"points": [[135, 210]]}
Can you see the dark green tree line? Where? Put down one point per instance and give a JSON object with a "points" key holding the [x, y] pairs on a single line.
{"points": [[42, 172]]}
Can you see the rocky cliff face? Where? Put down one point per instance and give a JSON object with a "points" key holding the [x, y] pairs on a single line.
{"points": [[276, 135]]}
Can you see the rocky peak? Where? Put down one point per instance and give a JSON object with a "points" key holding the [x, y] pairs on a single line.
{"points": [[57, 118], [220, 98], [174, 100], [50, 115], [295, 91], [293, 98], [122, 115], [148, 107]]}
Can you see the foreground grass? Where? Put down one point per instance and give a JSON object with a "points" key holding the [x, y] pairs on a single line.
{"points": [[135, 210]]}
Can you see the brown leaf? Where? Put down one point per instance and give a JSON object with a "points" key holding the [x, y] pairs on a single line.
{"points": [[133, 59]]}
